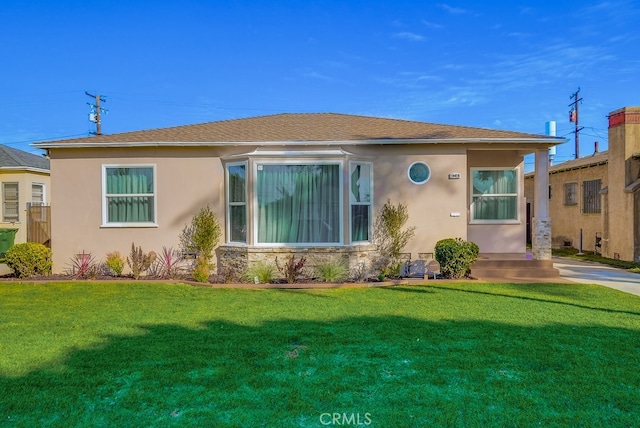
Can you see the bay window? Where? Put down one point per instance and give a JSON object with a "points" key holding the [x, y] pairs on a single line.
{"points": [[360, 200], [237, 202]]}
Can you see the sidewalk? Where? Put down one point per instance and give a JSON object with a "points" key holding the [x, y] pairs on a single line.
{"points": [[586, 272]]}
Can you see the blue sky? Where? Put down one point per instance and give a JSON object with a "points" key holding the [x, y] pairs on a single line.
{"points": [[501, 64]]}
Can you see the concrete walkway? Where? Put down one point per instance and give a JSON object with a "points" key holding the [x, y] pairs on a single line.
{"points": [[586, 272]]}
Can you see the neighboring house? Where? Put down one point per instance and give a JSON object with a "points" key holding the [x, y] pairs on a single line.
{"points": [[293, 183], [24, 180], [599, 194]]}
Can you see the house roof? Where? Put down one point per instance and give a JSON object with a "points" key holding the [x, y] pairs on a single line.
{"points": [[595, 159], [302, 127], [11, 158]]}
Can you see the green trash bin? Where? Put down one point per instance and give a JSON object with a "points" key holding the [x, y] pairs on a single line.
{"points": [[7, 236]]}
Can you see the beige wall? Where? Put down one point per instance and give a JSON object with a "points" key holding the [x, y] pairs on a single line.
{"points": [[190, 178], [499, 238], [24, 179]]}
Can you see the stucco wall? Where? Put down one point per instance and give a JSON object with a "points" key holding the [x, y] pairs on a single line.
{"points": [[499, 238], [190, 178]]}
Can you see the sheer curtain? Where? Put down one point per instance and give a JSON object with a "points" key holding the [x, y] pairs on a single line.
{"points": [[495, 195], [298, 203], [137, 185]]}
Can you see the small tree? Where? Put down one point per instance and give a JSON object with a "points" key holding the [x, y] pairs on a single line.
{"points": [[391, 236], [202, 235]]}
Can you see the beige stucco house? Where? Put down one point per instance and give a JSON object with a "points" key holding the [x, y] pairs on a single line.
{"points": [[24, 180], [294, 183], [599, 194]]}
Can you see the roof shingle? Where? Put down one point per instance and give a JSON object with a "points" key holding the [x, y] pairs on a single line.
{"points": [[300, 127]]}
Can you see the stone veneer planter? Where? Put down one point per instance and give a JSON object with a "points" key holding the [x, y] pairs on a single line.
{"points": [[237, 259]]}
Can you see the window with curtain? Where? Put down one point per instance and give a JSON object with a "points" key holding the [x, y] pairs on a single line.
{"points": [[495, 194], [298, 203], [360, 200], [237, 202], [129, 195], [571, 193], [10, 202]]}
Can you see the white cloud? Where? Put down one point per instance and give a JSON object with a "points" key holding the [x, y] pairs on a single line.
{"points": [[413, 37]]}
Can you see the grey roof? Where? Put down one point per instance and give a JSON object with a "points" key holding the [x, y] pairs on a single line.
{"points": [[302, 127], [14, 158]]}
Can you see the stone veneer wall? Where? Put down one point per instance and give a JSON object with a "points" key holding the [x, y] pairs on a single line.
{"points": [[236, 259]]}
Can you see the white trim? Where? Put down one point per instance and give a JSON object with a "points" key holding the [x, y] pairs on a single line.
{"points": [[103, 196], [4, 202], [44, 191], [25, 168], [518, 196]]}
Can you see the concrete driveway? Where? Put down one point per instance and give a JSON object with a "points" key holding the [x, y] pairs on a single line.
{"points": [[586, 272]]}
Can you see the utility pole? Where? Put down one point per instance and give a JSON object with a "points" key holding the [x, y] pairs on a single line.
{"points": [[573, 117], [96, 111]]}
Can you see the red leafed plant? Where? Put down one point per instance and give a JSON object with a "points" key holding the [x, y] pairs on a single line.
{"points": [[292, 269]]}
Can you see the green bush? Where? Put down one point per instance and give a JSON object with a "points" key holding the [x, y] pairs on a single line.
{"points": [[202, 271], [331, 271], [29, 259], [455, 256], [263, 271], [115, 262]]}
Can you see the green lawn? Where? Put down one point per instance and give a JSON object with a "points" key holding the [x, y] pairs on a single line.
{"points": [[470, 354]]}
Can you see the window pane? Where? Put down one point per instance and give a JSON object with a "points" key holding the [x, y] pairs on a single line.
{"points": [[37, 193], [359, 223], [495, 208], [571, 194], [492, 182], [238, 225], [360, 189], [123, 181], [10, 202], [237, 183], [130, 209], [298, 203]]}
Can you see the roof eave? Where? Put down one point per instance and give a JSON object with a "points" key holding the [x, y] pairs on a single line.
{"points": [[548, 142]]}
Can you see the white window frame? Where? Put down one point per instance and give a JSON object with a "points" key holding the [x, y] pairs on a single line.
{"points": [[44, 195], [370, 203], [517, 195], [229, 204], [6, 219], [280, 161], [104, 196]]}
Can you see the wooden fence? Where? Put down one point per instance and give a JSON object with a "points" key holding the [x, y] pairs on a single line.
{"points": [[39, 224]]}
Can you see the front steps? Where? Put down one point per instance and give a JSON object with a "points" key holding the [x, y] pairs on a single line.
{"points": [[486, 268]]}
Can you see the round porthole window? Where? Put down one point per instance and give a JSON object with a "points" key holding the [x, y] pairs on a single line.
{"points": [[419, 173]]}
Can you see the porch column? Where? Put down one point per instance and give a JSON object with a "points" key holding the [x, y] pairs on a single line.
{"points": [[541, 223]]}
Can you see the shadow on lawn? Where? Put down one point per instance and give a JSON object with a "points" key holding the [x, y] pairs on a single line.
{"points": [[289, 373]]}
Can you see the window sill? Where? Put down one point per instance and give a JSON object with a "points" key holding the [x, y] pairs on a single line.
{"points": [[127, 225]]}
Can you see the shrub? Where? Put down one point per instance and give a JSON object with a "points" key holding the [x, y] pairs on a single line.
{"points": [[139, 261], [202, 235], [202, 271], [292, 269], [84, 266], [391, 236], [29, 259], [455, 256], [168, 262], [332, 271], [115, 262], [260, 271]]}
